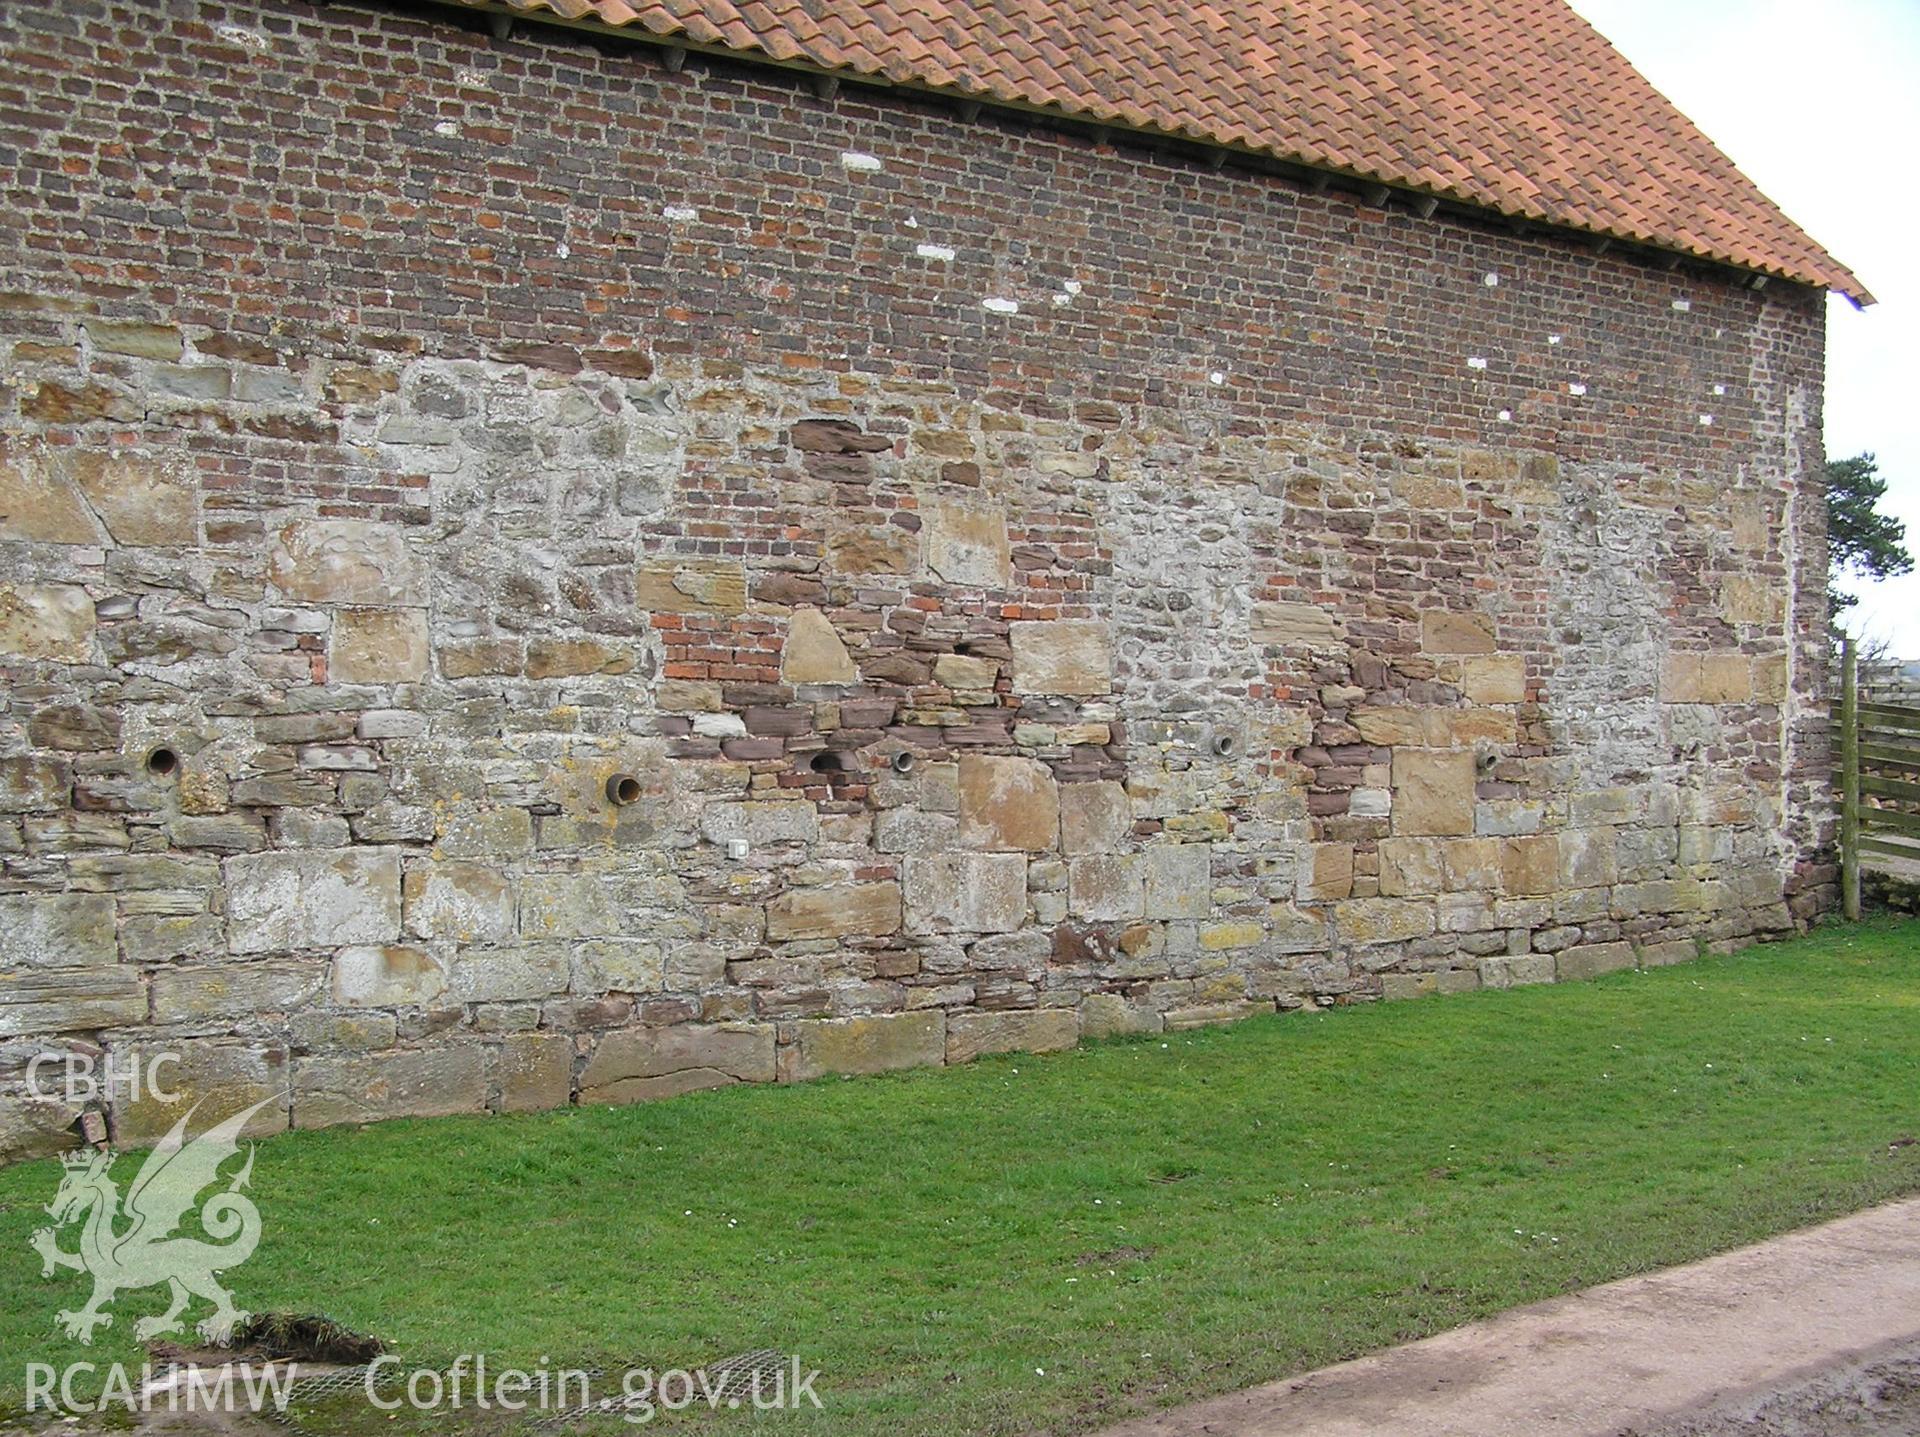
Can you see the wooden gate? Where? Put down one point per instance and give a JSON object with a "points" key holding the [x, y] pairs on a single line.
{"points": [[1879, 785]]}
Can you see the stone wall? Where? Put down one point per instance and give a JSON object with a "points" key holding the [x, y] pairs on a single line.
{"points": [[526, 578]]}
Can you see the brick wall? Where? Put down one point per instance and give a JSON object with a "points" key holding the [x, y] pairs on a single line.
{"points": [[527, 578]]}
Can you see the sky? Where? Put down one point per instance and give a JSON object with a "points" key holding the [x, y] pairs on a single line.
{"points": [[1816, 100]]}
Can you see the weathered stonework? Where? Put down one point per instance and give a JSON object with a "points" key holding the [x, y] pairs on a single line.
{"points": [[551, 649]]}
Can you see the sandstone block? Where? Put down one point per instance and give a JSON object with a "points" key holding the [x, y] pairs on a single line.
{"points": [[1474, 865], [378, 646], [908, 830], [1103, 1015], [813, 652], [346, 1032], [55, 403], [57, 930], [618, 965], [33, 785], [568, 905], [143, 503], [1587, 858], [838, 910], [1751, 526], [1505, 971], [182, 995], [38, 503], [323, 898], [1531, 865], [532, 1072], [1443, 632], [155, 938], [1382, 920], [74, 728], [1008, 804], [35, 1127], [135, 339], [856, 548], [1590, 960], [465, 902], [484, 832], [569, 658], [511, 974], [347, 561], [963, 672], [387, 977], [692, 586], [1208, 1015], [967, 544], [480, 658], [1410, 867], [1433, 792], [425, 1083], [215, 1080], [1391, 726], [1748, 600], [1094, 817], [1494, 679], [1770, 679], [1105, 886], [1676, 950], [864, 1045], [69, 1000], [1179, 879], [46, 621], [1296, 930], [1034, 1030], [1705, 679], [1062, 656], [1327, 872], [1462, 728], [639, 1063], [1276, 621], [965, 892], [1233, 933]]}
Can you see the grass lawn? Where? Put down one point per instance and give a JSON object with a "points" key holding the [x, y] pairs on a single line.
{"points": [[1046, 1244]]}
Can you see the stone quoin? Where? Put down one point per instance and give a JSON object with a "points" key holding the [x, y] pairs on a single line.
{"points": [[538, 568]]}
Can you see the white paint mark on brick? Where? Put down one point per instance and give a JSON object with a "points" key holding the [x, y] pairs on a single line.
{"points": [[1061, 300], [943, 253], [912, 223], [448, 128], [680, 214], [1576, 389], [1506, 416], [1492, 281], [471, 79], [1219, 376], [1000, 306], [1719, 389], [563, 249], [1683, 305], [1072, 286], [1706, 419], [1476, 362], [859, 161], [1553, 339], [246, 39]]}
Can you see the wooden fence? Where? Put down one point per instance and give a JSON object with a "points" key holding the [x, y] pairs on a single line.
{"points": [[1879, 785]]}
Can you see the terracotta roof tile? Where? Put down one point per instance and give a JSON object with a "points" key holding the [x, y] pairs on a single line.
{"points": [[1518, 106]]}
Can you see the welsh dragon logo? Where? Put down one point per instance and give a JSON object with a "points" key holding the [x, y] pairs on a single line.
{"points": [[137, 1243]]}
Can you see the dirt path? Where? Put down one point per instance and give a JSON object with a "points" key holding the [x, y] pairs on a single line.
{"points": [[1877, 1398], [1816, 1332]]}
